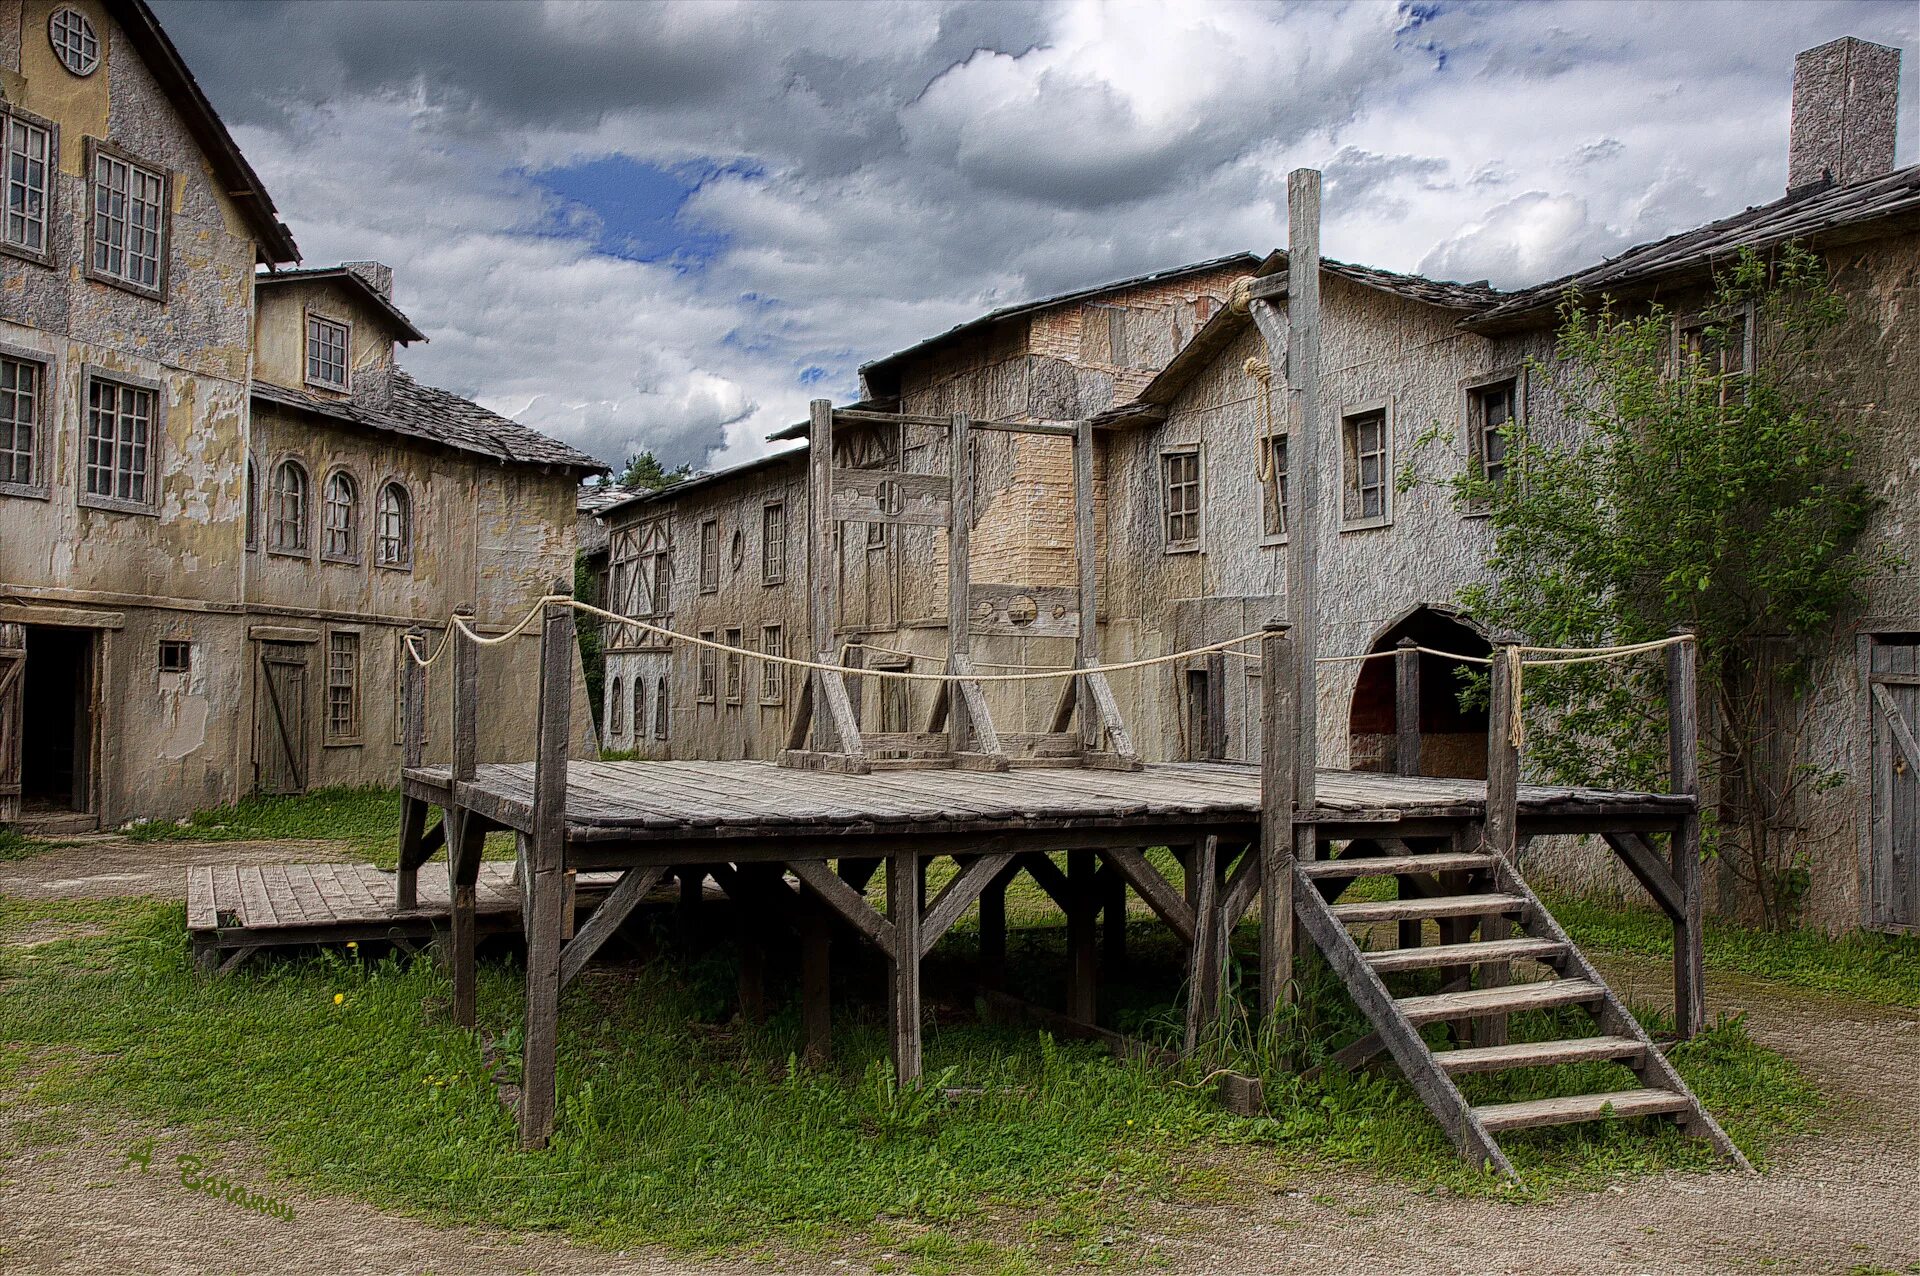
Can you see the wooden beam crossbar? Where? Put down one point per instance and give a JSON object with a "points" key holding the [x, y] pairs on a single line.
{"points": [[958, 895], [1645, 864], [607, 918], [847, 903], [1154, 888]]}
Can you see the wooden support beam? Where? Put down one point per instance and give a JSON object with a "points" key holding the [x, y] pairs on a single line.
{"points": [[1683, 762], [848, 902], [1279, 787], [1047, 876], [1082, 954], [1637, 853], [1086, 640], [1208, 953], [903, 911], [958, 896], [1137, 871], [816, 991], [406, 873], [969, 701], [1241, 888], [1501, 829], [548, 856], [993, 928], [959, 577], [1406, 708], [469, 838], [612, 912], [1113, 920], [466, 700]]}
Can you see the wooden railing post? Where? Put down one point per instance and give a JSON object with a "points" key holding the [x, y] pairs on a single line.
{"points": [[1279, 735], [823, 567], [548, 862], [903, 911], [1501, 827], [413, 691], [464, 840], [959, 575], [1406, 708], [1683, 759], [413, 737]]}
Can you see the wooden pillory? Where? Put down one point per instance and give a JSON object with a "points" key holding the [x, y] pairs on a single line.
{"points": [[798, 843]]}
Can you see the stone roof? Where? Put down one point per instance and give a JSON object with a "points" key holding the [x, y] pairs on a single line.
{"points": [[1816, 214], [432, 415]]}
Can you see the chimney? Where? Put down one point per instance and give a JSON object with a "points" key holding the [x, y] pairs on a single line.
{"points": [[381, 276], [1846, 98]]}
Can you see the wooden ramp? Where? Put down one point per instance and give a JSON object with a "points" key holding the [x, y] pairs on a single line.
{"points": [[234, 911], [1480, 891]]}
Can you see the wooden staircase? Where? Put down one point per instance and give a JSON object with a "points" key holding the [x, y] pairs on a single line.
{"points": [[1465, 891]]}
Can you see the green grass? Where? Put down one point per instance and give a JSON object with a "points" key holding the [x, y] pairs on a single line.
{"points": [[682, 1127], [18, 846], [1884, 969], [367, 819]]}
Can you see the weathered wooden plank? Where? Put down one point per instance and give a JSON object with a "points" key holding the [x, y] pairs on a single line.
{"points": [[1478, 1002], [1541, 1054], [892, 497], [903, 911], [958, 896], [1393, 910], [1406, 707], [1581, 1107], [1154, 889], [1279, 788], [1082, 953], [547, 853], [849, 903], [1415, 957], [607, 918], [1024, 611], [202, 912], [1683, 745], [1208, 952]]}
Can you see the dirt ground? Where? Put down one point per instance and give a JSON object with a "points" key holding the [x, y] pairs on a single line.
{"points": [[1846, 1198]]}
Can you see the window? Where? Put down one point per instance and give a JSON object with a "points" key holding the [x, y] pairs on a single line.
{"points": [[704, 670], [1490, 409], [326, 353], [1364, 485], [773, 543], [287, 516], [639, 707], [176, 657], [709, 556], [773, 677], [894, 702], [660, 709], [253, 509], [1180, 491], [340, 539], [1721, 343], [1273, 489], [396, 527], [129, 222], [22, 403], [737, 551], [343, 686], [617, 709], [119, 446], [29, 165], [74, 41], [734, 671]]}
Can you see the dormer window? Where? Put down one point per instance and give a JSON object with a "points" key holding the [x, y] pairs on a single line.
{"points": [[326, 353]]}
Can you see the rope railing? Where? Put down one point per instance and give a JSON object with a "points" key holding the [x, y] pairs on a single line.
{"points": [[1543, 656]]}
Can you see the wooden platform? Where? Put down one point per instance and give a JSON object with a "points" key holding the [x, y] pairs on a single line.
{"points": [[237, 910], [683, 803]]}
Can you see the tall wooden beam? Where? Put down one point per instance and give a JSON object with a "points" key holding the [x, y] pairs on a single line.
{"points": [[959, 576], [1086, 643], [548, 862], [1301, 358], [1278, 848], [1406, 708], [823, 560], [464, 839], [816, 970], [1209, 949], [1082, 965], [1683, 761], [1501, 830], [413, 734]]}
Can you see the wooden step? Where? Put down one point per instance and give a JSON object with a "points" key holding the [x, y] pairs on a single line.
{"points": [[1581, 1107], [1396, 910], [1541, 1054], [1506, 1000], [1388, 960], [1387, 865]]}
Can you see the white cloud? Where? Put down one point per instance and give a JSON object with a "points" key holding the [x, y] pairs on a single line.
{"points": [[887, 171]]}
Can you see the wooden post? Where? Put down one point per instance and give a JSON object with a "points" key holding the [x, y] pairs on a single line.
{"points": [[823, 564], [959, 575], [413, 690], [1209, 950], [993, 929], [413, 735], [1301, 357], [903, 911], [1277, 833], [464, 841], [1082, 986], [750, 923], [1683, 761], [1113, 927], [547, 887], [1086, 643], [1406, 708], [816, 968], [1501, 830]]}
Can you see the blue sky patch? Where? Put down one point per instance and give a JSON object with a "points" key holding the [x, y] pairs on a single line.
{"points": [[636, 208]]}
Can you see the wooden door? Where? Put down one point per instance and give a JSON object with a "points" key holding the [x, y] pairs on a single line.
{"points": [[1894, 687], [280, 720], [13, 696]]}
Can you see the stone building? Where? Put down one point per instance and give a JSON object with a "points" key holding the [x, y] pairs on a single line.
{"points": [[221, 500], [1191, 509]]}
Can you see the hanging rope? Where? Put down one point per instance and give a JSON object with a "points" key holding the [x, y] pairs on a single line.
{"points": [[1240, 295], [1263, 453]]}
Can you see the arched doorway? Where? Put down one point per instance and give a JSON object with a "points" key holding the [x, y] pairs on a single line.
{"points": [[1453, 740]]}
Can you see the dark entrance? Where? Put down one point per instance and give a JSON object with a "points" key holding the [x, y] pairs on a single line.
{"points": [[1453, 740], [56, 746]]}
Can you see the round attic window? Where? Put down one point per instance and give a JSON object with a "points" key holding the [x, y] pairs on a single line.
{"points": [[74, 41]]}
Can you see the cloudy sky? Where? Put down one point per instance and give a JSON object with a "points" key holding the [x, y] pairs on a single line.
{"points": [[669, 226]]}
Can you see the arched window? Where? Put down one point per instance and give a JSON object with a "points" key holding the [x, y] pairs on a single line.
{"points": [[287, 523], [639, 708], [660, 710], [341, 525], [617, 710], [396, 526]]}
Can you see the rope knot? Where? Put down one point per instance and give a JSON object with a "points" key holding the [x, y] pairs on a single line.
{"points": [[1240, 295]]}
